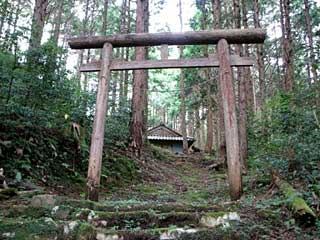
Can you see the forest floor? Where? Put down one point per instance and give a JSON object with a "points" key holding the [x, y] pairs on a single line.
{"points": [[177, 198]]}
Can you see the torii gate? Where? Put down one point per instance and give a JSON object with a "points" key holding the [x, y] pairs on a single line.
{"points": [[223, 60]]}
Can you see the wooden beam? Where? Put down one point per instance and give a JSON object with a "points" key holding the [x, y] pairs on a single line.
{"points": [[97, 138], [233, 36], [236, 61], [230, 121]]}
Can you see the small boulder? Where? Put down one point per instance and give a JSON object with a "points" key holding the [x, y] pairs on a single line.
{"points": [[212, 220], [44, 200]]}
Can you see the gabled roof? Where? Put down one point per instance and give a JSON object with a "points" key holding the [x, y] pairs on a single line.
{"points": [[162, 132]]}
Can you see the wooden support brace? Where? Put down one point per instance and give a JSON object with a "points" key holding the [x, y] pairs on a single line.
{"points": [[97, 138], [230, 121], [235, 61]]}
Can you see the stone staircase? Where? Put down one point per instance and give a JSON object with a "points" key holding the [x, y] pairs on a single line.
{"points": [[54, 217]]}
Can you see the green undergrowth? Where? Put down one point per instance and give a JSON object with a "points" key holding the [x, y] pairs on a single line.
{"points": [[30, 151], [55, 156], [118, 170], [158, 153]]}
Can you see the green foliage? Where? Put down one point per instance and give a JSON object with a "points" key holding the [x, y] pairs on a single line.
{"points": [[117, 126], [27, 150], [118, 169], [287, 136]]}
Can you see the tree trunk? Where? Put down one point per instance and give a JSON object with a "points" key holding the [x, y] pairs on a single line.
{"points": [[203, 127], [3, 15], [84, 33], [8, 30], [15, 24], [139, 86], [216, 11], [246, 70], [209, 143], [183, 93], [230, 121], [127, 53], [105, 17], [262, 84], [190, 123], [209, 137], [97, 139], [38, 21], [287, 46], [242, 93], [58, 22], [114, 84], [90, 31], [198, 128], [310, 40], [122, 30], [146, 86]]}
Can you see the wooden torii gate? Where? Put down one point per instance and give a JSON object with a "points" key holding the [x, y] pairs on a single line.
{"points": [[223, 60]]}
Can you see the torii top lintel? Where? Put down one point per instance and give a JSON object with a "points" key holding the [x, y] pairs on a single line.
{"points": [[233, 36]]}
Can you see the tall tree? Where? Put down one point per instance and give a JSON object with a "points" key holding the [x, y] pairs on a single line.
{"points": [[127, 52], [139, 85], [146, 73], [209, 137], [38, 21], [260, 62], [122, 30], [183, 91], [287, 45], [216, 12], [310, 42], [84, 32], [4, 11], [242, 92], [58, 22], [246, 70], [105, 17]]}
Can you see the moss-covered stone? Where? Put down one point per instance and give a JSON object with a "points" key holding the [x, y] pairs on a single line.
{"points": [[62, 212], [122, 206], [299, 207], [44, 200], [78, 230], [214, 219], [24, 211], [215, 214], [43, 228]]}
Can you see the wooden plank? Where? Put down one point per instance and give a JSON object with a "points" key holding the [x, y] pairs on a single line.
{"points": [[233, 36], [164, 52], [230, 121], [236, 61], [97, 138]]}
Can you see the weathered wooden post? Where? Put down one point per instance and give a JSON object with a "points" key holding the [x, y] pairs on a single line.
{"points": [[97, 138], [230, 120]]}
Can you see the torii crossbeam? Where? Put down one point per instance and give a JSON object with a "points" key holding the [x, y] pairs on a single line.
{"points": [[223, 60]]}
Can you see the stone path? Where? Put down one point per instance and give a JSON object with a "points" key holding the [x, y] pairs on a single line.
{"points": [[183, 206]]}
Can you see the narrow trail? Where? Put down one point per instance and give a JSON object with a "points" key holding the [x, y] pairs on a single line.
{"points": [[183, 200], [186, 179]]}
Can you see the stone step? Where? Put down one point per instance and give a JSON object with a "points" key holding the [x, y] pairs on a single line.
{"points": [[47, 228], [121, 220], [116, 206]]}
